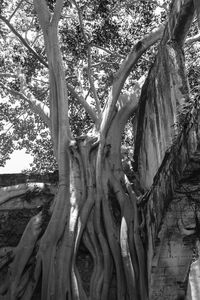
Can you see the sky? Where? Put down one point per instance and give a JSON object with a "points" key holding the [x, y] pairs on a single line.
{"points": [[18, 162]]}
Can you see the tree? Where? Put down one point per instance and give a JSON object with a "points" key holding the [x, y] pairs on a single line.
{"points": [[96, 205]]}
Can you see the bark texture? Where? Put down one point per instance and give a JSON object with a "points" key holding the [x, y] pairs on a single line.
{"points": [[95, 207], [163, 96]]}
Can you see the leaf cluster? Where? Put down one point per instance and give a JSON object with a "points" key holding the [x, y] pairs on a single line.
{"points": [[107, 25]]}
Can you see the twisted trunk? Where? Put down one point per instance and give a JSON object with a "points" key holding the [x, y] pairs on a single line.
{"points": [[95, 208], [98, 214]]}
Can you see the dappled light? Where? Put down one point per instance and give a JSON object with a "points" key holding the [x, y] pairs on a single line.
{"points": [[97, 92]]}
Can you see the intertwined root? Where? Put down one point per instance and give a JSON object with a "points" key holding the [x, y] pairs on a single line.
{"points": [[103, 217]]}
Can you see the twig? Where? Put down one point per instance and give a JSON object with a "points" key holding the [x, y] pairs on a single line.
{"points": [[16, 9], [109, 51]]}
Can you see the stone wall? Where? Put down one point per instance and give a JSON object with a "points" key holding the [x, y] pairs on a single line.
{"points": [[176, 244], [21, 197], [156, 202], [13, 179]]}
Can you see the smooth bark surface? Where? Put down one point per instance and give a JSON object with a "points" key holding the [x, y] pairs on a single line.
{"points": [[95, 207]]}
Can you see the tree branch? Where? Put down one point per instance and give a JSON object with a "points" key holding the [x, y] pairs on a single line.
{"points": [[43, 13], [10, 192], [23, 41], [132, 58], [81, 22], [124, 71], [92, 82], [39, 108], [192, 39], [109, 51], [197, 8], [57, 12], [8, 75], [16, 9], [82, 101]]}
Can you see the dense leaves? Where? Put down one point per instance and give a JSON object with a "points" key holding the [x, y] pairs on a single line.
{"points": [[109, 27]]}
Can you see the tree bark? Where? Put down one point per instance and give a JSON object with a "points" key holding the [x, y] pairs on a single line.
{"points": [[95, 208]]}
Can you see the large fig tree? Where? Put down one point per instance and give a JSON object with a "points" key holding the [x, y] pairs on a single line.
{"points": [[95, 208]]}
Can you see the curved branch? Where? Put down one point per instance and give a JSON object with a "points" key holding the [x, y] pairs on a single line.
{"points": [[124, 71], [132, 59]]}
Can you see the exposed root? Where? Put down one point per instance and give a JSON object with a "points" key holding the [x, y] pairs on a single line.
{"points": [[99, 211]]}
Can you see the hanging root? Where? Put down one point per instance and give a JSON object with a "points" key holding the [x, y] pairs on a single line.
{"points": [[99, 212]]}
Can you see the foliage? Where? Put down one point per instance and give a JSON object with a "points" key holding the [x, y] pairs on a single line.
{"points": [[111, 27]]}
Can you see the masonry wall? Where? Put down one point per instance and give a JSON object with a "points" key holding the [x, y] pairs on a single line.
{"points": [[157, 203], [17, 178]]}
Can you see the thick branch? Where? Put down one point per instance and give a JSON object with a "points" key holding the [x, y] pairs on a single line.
{"points": [[57, 12], [38, 107], [124, 71], [43, 6], [132, 59], [43, 13], [60, 127]]}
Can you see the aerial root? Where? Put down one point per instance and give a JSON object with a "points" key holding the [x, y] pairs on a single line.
{"points": [[93, 246], [139, 247]]}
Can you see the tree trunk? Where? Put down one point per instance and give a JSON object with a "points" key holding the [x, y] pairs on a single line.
{"points": [[95, 211], [100, 216]]}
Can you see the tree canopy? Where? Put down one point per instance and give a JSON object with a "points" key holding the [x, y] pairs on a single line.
{"points": [[95, 37], [72, 75]]}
